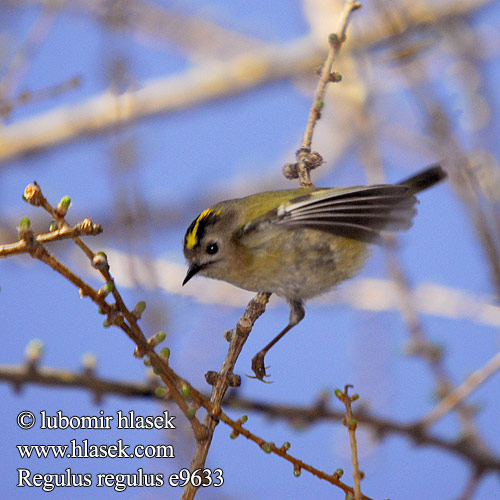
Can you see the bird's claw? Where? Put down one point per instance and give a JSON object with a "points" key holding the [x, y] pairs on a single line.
{"points": [[258, 367]]}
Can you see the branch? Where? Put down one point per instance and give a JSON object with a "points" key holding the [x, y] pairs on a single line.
{"points": [[351, 423], [296, 416], [306, 159], [117, 314], [20, 375], [84, 228], [458, 395], [198, 85], [222, 380], [298, 465]]}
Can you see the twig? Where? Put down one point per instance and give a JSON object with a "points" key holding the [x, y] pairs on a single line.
{"points": [[200, 84], [306, 159], [452, 399], [223, 380], [471, 486], [335, 41], [117, 314], [351, 423], [298, 465], [84, 228], [20, 375]]}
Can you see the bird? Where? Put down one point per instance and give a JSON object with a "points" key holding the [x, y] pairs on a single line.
{"points": [[298, 243]]}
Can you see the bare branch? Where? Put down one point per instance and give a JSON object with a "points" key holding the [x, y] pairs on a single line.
{"points": [[459, 394], [223, 380], [213, 80]]}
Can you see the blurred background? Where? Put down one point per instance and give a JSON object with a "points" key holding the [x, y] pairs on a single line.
{"points": [[146, 112]]}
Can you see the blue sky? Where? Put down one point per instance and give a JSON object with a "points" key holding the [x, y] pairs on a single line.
{"points": [[188, 159]]}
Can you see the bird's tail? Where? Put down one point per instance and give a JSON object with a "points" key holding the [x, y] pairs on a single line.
{"points": [[425, 179]]}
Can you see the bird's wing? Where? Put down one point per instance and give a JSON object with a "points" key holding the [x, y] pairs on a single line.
{"points": [[359, 213]]}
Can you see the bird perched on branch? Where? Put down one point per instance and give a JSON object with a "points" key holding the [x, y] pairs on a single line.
{"points": [[298, 243]]}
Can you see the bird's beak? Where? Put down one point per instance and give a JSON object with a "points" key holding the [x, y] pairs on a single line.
{"points": [[193, 269]]}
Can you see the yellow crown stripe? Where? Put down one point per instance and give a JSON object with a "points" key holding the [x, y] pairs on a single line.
{"points": [[192, 237]]}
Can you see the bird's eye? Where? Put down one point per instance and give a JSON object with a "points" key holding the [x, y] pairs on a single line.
{"points": [[212, 248]]}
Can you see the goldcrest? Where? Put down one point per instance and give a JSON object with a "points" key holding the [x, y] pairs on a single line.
{"points": [[298, 243]]}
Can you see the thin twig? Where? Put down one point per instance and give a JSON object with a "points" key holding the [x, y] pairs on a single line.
{"points": [[296, 416], [223, 380], [298, 465], [84, 228], [198, 85], [452, 399], [471, 486], [306, 160], [351, 423], [118, 313], [336, 40]]}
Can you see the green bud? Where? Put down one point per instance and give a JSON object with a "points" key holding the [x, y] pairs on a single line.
{"points": [[24, 223], [165, 353], [106, 323], [64, 204], [139, 308], [354, 397], [335, 77], [191, 412], [338, 393], [243, 419], [156, 371], [53, 226], [159, 337], [65, 201], [109, 286], [267, 447], [161, 391], [338, 473], [146, 361], [185, 391], [285, 446], [333, 38], [297, 470], [319, 105], [234, 435]]}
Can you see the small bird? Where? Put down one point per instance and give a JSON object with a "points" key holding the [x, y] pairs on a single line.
{"points": [[298, 243]]}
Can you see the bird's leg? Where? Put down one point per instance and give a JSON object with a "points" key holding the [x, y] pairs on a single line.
{"points": [[297, 313]]}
